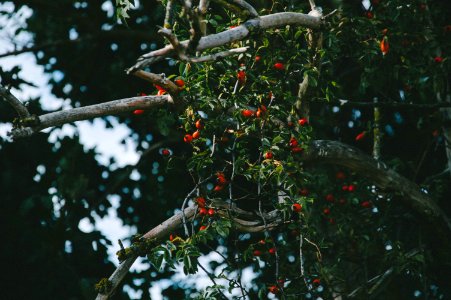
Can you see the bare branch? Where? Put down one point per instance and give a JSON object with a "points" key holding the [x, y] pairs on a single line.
{"points": [[160, 80], [21, 110], [167, 17], [232, 35], [92, 111]]}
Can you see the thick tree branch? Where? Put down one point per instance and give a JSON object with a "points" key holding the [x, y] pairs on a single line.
{"points": [[236, 34], [90, 112], [21, 110], [340, 154]]}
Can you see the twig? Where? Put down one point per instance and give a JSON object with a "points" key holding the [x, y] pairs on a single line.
{"points": [[21, 110], [161, 80], [167, 17], [318, 253], [252, 12], [217, 55], [212, 280]]}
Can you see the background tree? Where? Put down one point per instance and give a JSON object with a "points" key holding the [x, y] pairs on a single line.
{"points": [[362, 75]]}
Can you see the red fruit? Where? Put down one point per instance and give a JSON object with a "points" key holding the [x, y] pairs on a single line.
{"points": [[438, 59], [326, 211], [270, 95], [273, 289], [257, 253], [262, 242], [142, 94], [179, 82], [281, 281], [360, 136], [304, 192], [233, 26], [203, 211], [196, 134], [384, 46], [241, 77], [296, 207], [188, 138], [258, 58], [330, 198], [220, 178], [296, 150], [340, 175], [200, 201], [203, 227], [290, 124], [303, 122], [199, 124], [171, 237], [161, 91], [165, 152], [268, 155], [218, 188], [272, 251], [211, 212], [344, 188], [369, 15], [331, 221], [293, 142], [366, 204], [247, 113], [316, 281], [138, 111], [259, 113], [351, 188], [279, 66]]}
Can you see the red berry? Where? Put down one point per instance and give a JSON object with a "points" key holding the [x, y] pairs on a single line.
{"points": [[369, 15], [171, 237], [304, 192], [165, 152], [344, 188], [220, 178], [211, 212], [268, 155], [203, 227], [326, 211], [303, 122], [316, 281], [293, 142], [296, 207], [241, 77], [331, 221], [203, 211], [366, 204], [218, 188], [273, 289], [360, 136], [351, 188], [438, 59], [384, 46], [262, 242], [272, 251], [247, 113], [290, 124], [196, 134], [200, 201], [330, 198], [179, 82], [281, 281], [258, 58], [279, 66], [257, 253], [199, 124], [188, 138], [138, 111], [296, 150]]}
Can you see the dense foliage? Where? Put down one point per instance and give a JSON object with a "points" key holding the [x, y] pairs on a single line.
{"points": [[241, 137]]}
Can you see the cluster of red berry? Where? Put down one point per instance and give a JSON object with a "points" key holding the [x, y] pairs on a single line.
{"points": [[188, 138]]}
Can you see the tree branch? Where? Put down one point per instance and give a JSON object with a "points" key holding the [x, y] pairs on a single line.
{"points": [[90, 112], [236, 34], [340, 154], [21, 110]]}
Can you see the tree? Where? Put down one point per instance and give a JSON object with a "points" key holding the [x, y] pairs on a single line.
{"points": [[257, 96]]}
